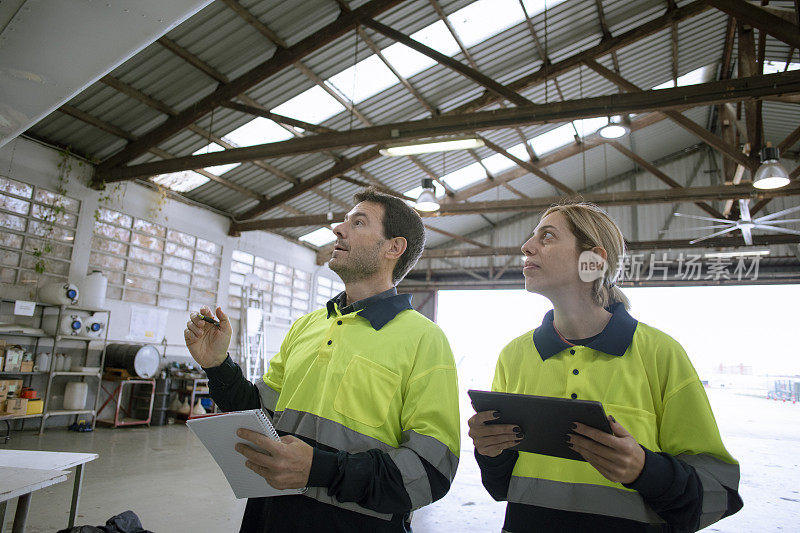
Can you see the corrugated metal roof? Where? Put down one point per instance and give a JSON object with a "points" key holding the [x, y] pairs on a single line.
{"points": [[220, 38]]}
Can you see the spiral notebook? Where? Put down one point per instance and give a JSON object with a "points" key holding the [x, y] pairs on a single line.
{"points": [[218, 435]]}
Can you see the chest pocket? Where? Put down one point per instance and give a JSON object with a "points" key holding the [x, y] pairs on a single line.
{"points": [[639, 423], [366, 391]]}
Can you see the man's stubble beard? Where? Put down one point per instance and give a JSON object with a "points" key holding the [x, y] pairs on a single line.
{"points": [[359, 266]]}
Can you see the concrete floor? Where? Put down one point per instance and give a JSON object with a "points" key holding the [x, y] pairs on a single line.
{"points": [[167, 478]]}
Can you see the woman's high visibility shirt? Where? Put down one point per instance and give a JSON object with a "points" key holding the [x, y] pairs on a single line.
{"points": [[644, 379]]}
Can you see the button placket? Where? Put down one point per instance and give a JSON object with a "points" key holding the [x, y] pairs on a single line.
{"points": [[575, 372]]}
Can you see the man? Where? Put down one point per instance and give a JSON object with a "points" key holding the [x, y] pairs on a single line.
{"points": [[365, 391]]}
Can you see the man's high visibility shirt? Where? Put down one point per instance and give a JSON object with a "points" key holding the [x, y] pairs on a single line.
{"points": [[381, 378]]}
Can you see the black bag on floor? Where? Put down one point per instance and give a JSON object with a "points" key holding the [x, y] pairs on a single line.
{"points": [[126, 522]]}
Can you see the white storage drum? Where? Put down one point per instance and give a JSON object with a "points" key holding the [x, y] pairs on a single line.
{"points": [[93, 290], [72, 323], [59, 294], [75, 395], [95, 326], [138, 359]]}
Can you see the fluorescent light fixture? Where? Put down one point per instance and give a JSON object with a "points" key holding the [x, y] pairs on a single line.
{"points": [[740, 253], [319, 237], [614, 129], [427, 199], [437, 145], [771, 174]]}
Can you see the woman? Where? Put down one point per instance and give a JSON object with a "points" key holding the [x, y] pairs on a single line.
{"points": [[665, 467]]}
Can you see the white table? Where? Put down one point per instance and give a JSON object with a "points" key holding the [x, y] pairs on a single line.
{"points": [[21, 483], [46, 461]]}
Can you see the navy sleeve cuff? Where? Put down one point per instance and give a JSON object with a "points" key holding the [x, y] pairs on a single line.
{"points": [[502, 458], [224, 374], [324, 467], [656, 478]]}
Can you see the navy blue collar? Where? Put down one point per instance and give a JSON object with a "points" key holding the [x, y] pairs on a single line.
{"points": [[379, 309], [615, 338]]}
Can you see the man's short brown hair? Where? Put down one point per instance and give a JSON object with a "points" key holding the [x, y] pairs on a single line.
{"points": [[399, 220]]}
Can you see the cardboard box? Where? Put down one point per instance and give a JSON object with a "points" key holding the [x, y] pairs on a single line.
{"points": [[13, 358], [26, 366], [35, 407], [16, 407], [8, 386]]}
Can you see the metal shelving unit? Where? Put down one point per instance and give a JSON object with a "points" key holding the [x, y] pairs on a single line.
{"points": [[51, 373]]}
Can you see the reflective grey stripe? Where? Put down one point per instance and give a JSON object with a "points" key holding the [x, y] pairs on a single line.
{"points": [[432, 451], [321, 494], [714, 475], [406, 457], [267, 395], [582, 498], [415, 479]]}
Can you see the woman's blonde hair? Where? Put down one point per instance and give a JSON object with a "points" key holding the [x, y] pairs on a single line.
{"points": [[592, 227]]}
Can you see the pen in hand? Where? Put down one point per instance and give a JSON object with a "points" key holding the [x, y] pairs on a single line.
{"points": [[209, 320]]}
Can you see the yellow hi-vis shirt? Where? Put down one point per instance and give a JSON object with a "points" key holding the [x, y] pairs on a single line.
{"points": [[645, 380], [356, 384]]}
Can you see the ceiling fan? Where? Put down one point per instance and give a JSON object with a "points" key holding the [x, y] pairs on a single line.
{"points": [[745, 223]]}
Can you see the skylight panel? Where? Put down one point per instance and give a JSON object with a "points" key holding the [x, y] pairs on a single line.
{"points": [[219, 169], [371, 77], [258, 131], [497, 163], [465, 176], [313, 106], [438, 37], [547, 142], [405, 60], [482, 19], [534, 7], [519, 151], [773, 67], [183, 181], [698, 75], [319, 237]]}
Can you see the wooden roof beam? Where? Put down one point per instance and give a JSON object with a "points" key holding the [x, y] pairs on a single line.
{"points": [[647, 197], [632, 102], [119, 132], [712, 140], [530, 167], [661, 244], [468, 72], [763, 19], [605, 46], [652, 169], [748, 66], [345, 165], [260, 111], [192, 59], [227, 91]]}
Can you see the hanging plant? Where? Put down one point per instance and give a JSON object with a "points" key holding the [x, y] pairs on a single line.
{"points": [[50, 215], [156, 209], [109, 194]]}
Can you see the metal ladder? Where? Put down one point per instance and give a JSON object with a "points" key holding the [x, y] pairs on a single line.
{"points": [[253, 331]]}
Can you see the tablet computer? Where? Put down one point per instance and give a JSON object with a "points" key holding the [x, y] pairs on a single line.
{"points": [[545, 421]]}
